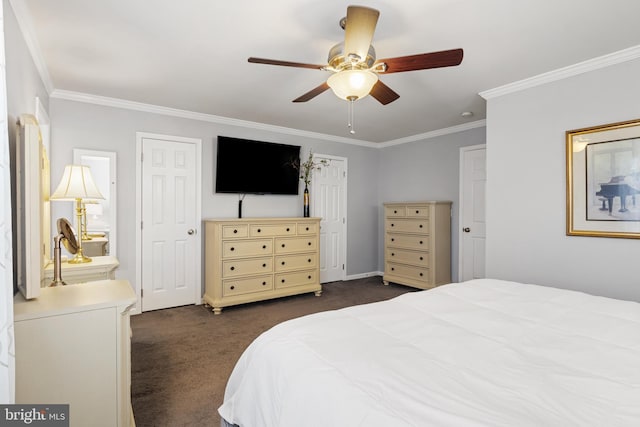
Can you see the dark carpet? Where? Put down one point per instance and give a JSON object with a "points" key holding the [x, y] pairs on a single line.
{"points": [[182, 357]]}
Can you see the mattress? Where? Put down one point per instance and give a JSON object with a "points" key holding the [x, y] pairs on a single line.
{"points": [[479, 353]]}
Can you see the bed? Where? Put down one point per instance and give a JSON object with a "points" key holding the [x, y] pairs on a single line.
{"points": [[479, 353]]}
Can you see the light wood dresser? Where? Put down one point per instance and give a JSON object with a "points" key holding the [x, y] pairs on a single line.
{"points": [[254, 259], [417, 243]]}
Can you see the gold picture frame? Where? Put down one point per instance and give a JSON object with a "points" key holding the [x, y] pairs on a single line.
{"points": [[603, 180]]}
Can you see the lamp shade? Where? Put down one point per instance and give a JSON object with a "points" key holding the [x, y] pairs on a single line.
{"points": [[76, 183], [352, 83]]}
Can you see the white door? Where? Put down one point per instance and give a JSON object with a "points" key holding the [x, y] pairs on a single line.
{"points": [[328, 201], [473, 178], [170, 223]]}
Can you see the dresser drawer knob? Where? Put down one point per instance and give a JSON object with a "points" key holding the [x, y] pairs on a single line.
{"points": [[393, 240], [309, 260], [421, 258], [393, 269], [417, 211], [282, 262], [309, 277], [259, 230], [395, 212], [264, 246], [420, 241], [307, 229], [309, 243], [264, 265], [392, 224], [421, 274], [264, 283], [420, 226], [232, 249], [283, 245], [232, 268], [287, 229], [232, 287], [235, 231], [282, 281], [393, 254]]}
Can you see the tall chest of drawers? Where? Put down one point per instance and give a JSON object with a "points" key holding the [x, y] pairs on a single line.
{"points": [[417, 243], [255, 259]]}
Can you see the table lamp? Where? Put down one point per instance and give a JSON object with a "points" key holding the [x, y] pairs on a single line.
{"points": [[77, 184]]}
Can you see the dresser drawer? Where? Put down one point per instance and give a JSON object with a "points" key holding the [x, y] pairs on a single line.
{"points": [[420, 259], [300, 278], [407, 241], [408, 225], [295, 262], [247, 286], [238, 230], [307, 228], [242, 248], [242, 267], [418, 211], [284, 245], [393, 211], [259, 230], [408, 271]]}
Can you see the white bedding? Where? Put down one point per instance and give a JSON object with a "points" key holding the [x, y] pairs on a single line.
{"points": [[479, 353]]}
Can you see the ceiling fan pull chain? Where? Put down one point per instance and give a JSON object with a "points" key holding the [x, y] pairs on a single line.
{"points": [[351, 102]]}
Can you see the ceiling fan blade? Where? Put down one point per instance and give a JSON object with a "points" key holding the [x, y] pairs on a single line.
{"points": [[383, 93], [312, 93], [422, 61], [359, 29], [285, 63]]}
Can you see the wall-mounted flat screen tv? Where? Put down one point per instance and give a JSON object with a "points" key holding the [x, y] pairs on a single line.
{"points": [[255, 167]]}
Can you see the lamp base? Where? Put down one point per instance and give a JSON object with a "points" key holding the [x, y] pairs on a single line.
{"points": [[79, 258]]}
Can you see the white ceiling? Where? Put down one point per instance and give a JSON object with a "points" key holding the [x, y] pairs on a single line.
{"points": [[192, 54]]}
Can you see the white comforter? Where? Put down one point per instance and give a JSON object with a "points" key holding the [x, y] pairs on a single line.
{"points": [[479, 353]]}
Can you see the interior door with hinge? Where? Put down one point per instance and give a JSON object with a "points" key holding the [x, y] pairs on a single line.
{"points": [[328, 201], [168, 228]]}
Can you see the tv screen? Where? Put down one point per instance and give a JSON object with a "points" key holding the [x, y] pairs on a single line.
{"points": [[256, 167]]}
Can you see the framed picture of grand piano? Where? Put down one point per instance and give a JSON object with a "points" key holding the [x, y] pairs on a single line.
{"points": [[603, 181]]}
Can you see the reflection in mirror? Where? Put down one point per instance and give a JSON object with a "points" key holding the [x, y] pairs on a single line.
{"points": [[100, 214]]}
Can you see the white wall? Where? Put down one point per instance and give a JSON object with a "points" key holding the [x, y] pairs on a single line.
{"points": [[526, 226], [425, 170]]}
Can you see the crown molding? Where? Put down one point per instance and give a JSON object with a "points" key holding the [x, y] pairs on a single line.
{"points": [[614, 58], [26, 28], [185, 114], [435, 133]]}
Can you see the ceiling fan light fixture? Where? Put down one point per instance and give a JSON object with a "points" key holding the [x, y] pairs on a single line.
{"points": [[348, 84]]}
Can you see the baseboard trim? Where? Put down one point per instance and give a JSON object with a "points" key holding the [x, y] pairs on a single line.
{"points": [[363, 275]]}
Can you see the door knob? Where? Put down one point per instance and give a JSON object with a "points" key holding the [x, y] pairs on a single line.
{"points": [[466, 229], [191, 231]]}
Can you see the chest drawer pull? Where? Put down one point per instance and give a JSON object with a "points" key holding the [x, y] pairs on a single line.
{"points": [[287, 229], [282, 263], [264, 265], [232, 248], [232, 287], [264, 246], [309, 260], [309, 244], [232, 268], [259, 230], [235, 231], [283, 245]]}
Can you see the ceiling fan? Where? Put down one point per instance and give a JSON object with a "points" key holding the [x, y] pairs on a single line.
{"points": [[354, 65]]}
